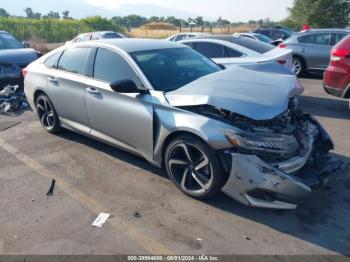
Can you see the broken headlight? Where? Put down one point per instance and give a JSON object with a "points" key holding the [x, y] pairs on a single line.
{"points": [[262, 144]]}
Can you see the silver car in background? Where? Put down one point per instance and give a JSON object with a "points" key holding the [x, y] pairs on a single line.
{"points": [[237, 130], [312, 48], [229, 50]]}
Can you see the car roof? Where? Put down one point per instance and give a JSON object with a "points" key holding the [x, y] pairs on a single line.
{"points": [[130, 45], [4, 32], [324, 30]]}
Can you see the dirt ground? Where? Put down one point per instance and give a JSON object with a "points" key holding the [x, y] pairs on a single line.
{"points": [[92, 177]]}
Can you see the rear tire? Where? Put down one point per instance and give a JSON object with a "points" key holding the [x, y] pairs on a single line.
{"points": [[299, 66], [194, 167], [47, 114]]}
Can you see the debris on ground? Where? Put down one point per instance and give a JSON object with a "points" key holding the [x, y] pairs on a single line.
{"points": [[12, 100], [52, 187], [199, 239], [137, 214], [100, 220], [247, 238]]}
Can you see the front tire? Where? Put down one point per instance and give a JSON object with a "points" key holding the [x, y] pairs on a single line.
{"points": [[194, 167], [47, 114]]}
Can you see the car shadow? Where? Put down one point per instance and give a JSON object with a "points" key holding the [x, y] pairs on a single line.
{"points": [[325, 107], [322, 220]]}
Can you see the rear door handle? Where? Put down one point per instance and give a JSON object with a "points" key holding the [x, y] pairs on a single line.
{"points": [[302, 50], [93, 91]]}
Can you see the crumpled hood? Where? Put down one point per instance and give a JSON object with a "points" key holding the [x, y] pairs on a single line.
{"points": [[259, 91], [21, 56]]}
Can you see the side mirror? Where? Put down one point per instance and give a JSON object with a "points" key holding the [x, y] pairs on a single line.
{"points": [[126, 86], [26, 44]]}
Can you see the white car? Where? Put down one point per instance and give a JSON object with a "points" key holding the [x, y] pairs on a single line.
{"points": [[183, 36], [255, 36], [95, 36], [228, 50]]}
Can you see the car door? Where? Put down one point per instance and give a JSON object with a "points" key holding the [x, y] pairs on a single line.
{"points": [[67, 85], [123, 119], [316, 49]]}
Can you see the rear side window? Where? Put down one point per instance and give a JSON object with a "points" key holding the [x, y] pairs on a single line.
{"points": [[316, 39], [257, 46], [110, 67], [74, 60], [338, 37], [229, 52], [210, 50], [53, 60], [111, 35]]}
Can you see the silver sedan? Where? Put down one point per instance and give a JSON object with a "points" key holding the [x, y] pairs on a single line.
{"points": [[237, 130]]}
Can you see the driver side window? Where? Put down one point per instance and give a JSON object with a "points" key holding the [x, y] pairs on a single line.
{"points": [[110, 66]]}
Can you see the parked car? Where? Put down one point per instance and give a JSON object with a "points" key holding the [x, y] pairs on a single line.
{"points": [[183, 36], [274, 33], [95, 36], [229, 50], [238, 130], [336, 79], [311, 48], [14, 56], [255, 36]]}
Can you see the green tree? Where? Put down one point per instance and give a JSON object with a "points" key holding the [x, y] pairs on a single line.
{"points": [[52, 15], [65, 15], [199, 21], [3, 13], [319, 13]]}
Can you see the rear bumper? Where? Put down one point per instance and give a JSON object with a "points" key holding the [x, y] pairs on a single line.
{"points": [[334, 91], [254, 182]]}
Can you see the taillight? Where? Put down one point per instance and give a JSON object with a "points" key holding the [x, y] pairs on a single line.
{"points": [[24, 72], [339, 54], [282, 62], [282, 45]]}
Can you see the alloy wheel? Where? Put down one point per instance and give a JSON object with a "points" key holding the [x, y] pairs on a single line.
{"points": [[190, 168], [45, 113], [297, 66]]}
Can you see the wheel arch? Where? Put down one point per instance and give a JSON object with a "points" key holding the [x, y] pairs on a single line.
{"points": [[306, 68]]}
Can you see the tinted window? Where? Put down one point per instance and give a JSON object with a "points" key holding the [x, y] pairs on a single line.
{"points": [[251, 44], [52, 60], [7, 41], [111, 35], [110, 67], [74, 60], [316, 39], [229, 52], [170, 69], [338, 37], [172, 39], [180, 37], [264, 32], [277, 34], [210, 50]]}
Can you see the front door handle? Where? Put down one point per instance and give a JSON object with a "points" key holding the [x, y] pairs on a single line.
{"points": [[93, 91], [53, 80]]}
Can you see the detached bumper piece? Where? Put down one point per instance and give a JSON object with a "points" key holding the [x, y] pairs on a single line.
{"points": [[283, 185]]}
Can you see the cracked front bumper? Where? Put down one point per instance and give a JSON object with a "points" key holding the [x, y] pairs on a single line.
{"points": [[254, 182]]}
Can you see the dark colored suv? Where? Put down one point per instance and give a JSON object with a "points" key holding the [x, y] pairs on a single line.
{"points": [[14, 56], [274, 33]]}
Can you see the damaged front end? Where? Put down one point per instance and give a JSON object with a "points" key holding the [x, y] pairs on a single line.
{"points": [[278, 162]]}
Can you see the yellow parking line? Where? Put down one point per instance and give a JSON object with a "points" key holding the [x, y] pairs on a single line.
{"points": [[133, 233]]}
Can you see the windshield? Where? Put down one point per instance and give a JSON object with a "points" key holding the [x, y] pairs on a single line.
{"points": [[263, 38], [170, 69], [7, 41]]}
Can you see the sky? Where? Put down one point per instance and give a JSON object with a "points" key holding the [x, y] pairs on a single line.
{"points": [[234, 10]]}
